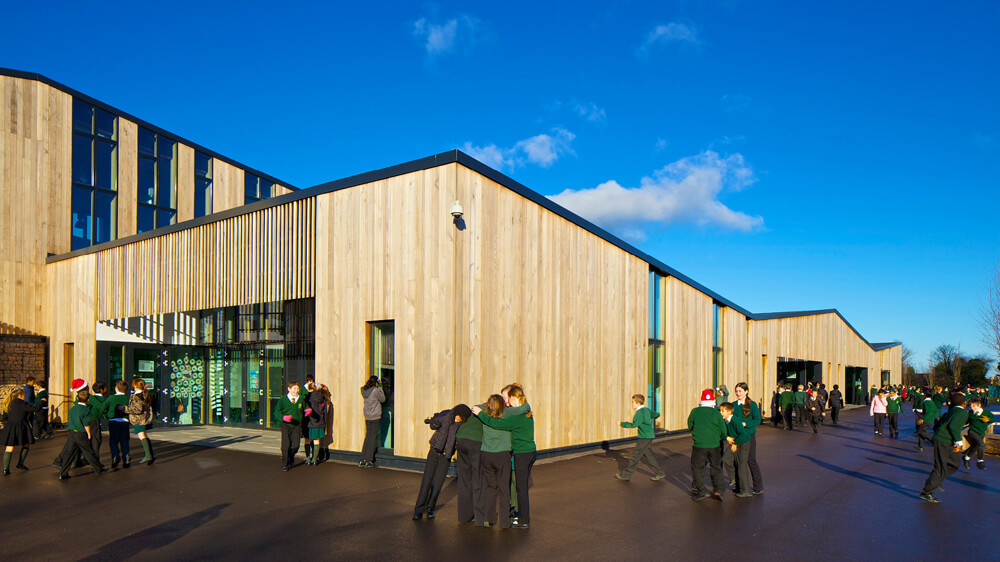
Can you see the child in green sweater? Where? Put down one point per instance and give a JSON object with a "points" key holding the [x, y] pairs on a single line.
{"points": [[736, 451], [643, 421], [708, 430], [979, 420]]}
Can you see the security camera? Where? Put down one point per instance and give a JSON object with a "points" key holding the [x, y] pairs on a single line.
{"points": [[456, 210]]}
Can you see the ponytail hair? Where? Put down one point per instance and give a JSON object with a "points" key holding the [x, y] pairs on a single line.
{"points": [[139, 384]]}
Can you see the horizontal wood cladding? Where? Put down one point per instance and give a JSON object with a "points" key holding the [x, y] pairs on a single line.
{"points": [[264, 256], [512, 293], [35, 194]]}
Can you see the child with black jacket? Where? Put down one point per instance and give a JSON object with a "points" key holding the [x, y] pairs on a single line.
{"points": [[445, 425]]}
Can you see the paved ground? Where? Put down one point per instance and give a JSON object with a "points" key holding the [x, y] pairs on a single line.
{"points": [[842, 494]]}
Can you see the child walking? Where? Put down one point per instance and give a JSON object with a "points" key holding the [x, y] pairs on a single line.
{"points": [[947, 444], [877, 409], [291, 410], [16, 431], [140, 415], [642, 420], [118, 425], [736, 451], [747, 412], [894, 405], [78, 436], [315, 418], [708, 431]]}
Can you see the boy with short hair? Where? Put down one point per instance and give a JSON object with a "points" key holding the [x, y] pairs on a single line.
{"points": [[893, 405], [925, 420], [736, 451], [800, 405], [979, 419], [642, 420], [947, 444], [785, 401], [291, 410], [814, 410], [708, 430], [41, 425]]}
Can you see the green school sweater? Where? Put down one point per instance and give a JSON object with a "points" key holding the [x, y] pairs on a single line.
{"points": [[979, 423], [751, 421], [931, 411], [800, 397], [786, 399], [286, 407], [643, 421], [498, 440], [893, 405], [735, 429], [79, 417], [112, 403], [471, 429], [42, 399], [521, 428], [97, 408], [950, 427], [707, 427]]}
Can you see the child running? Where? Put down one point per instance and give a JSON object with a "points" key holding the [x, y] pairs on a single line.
{"points": [[642, 420], [947, 444]]}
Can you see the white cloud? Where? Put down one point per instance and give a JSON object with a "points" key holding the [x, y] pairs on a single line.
{"points": [[686, 191], [543, 150], [672, 32], [591, 112], [440, 38]]}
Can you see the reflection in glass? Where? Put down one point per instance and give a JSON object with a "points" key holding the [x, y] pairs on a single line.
{"points": [[147, 142], [202, 165], [82, 160], [266, 189], [104, 165], [80, 227], [215, 387], [275, 381], [166, 185], [165, 218], [145, 219], [105, 125], [250, 188], [105, 217], [202, 197], [236, 374], [147, 180], [83, 116], [187, 380]]}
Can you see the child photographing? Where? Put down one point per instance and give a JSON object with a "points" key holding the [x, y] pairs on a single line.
{"points": [[445, 425], [642, 420]]}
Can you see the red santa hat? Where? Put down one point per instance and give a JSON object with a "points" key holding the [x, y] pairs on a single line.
{"points": [[78, 385], [708, 397]]}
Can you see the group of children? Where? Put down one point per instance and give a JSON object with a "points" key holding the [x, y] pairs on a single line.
{"points": [[947, 438], [303, 416], [795, 407], [83, 439], [725, 441], [494, 444]]}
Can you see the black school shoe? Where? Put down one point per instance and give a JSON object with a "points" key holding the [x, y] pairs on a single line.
{"points": [[430, 514], [929, 498], [965, 463], [981, 465], [417, 516], [699, 497]]}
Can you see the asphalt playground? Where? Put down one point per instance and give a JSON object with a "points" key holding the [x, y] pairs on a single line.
{"points": [[842, 494]]}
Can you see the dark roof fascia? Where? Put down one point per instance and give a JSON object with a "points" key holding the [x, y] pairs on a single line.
{"points": [[662, 268], [145, 124], [329, 187], [459, 157]]}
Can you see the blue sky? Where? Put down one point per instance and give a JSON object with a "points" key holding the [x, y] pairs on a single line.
{"points": [[789, 155]]}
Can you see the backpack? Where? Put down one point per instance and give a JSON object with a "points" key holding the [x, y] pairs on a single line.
{"points": [[138, 410]]}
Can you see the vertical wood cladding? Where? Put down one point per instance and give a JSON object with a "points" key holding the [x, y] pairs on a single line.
{"points": [[516, 294], [35, 166], [251, 258]]}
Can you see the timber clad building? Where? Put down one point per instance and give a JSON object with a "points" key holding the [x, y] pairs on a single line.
{"points": [[131, 252]]}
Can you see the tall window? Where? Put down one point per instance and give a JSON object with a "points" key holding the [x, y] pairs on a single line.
{"points": [[157, 181], [656, 343], [202, 184], [256, 189], [716, 345], [95, 176]]}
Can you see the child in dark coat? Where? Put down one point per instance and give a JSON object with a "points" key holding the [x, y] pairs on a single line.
{"points": [[445, 425]]}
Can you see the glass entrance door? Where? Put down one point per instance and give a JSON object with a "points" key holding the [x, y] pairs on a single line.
{"points": [[215, 387], [382, 364], [256, 381]]}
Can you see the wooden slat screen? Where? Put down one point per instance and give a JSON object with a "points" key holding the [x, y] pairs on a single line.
{"points": [[262, 256]]}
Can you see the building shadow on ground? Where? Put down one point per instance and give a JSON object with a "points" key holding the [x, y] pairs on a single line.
{"points": [[156, 537], [876, 480], [169, 451]]}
